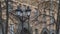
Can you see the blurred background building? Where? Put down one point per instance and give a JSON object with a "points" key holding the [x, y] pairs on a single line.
{"points": [[42, 18]]}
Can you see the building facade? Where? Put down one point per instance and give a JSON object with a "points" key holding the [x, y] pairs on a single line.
{"points": [[43, 17]]}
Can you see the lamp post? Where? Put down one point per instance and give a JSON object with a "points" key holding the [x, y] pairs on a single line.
{"points": [[21, 15], [7, 16], [58, 19], [28, 14], [0, 8], [1, 31]]}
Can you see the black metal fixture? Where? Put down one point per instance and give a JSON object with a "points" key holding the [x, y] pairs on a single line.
{"points": [[0, 12], [58, 19], [7, 16], [1, 29], [21, 14], [28, 14]]}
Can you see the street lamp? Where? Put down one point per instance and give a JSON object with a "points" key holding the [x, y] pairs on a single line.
{"points": [[19, 11], [28, 11], [58, 19], [20, 14]]}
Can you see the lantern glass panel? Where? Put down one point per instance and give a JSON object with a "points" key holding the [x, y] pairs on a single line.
{"points": [[28, 13], [19, 13]]}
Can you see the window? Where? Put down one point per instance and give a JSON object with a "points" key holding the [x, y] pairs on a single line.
{"points": [[52, 33], [44, 18], [52, 20], [0, 29], [36, 12], [10, 7], [45, 32], [36, 31], [25, 31], [11, 29]]}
